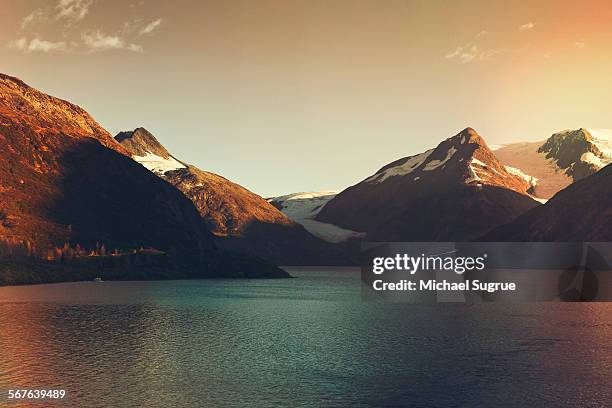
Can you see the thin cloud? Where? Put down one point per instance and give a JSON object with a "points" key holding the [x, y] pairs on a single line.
{"points": [[73, 9], [463, 54], [152, 26], [471, 53], [34, 17], [67, 19], [38, 45], [99, 41], [134, 5], [580, 44], [527, 26]]}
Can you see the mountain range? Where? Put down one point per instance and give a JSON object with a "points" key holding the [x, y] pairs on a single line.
{"points": [[463, 189], [65, 182], [240, 219]]}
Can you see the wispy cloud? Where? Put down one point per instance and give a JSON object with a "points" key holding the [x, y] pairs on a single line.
{"points": [[527, 26], [34, 17], [464, 54], [472, 51], [99, 41], [74, 10], [66, 20], [580, 44], [38, 45], [152, 26]]}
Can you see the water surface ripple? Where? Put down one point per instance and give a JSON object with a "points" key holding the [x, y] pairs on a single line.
{"points": [[305, 342]]}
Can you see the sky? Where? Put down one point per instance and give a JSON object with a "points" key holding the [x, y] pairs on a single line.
{"points": [[284, 96]]}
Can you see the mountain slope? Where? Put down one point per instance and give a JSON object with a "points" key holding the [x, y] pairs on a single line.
{"points": [[457, 191], [242, 220], [64, 179], [561, 159], [580, 212]]}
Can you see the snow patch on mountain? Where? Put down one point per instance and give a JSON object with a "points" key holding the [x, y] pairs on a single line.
{"points": [[589, 157], [473, 175], [478, 168], [434, 164], [473, 171], [476, 161], [401, 170], [602, 138], [158, 164], [303, 207], [518, 172], [495, 147]]}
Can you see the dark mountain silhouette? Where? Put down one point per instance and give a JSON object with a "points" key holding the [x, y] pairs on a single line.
{"points": [[240, 219], [580, 212], [457, 191]]}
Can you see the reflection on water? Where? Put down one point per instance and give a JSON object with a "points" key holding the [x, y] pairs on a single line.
{"points": [[299, 342]]}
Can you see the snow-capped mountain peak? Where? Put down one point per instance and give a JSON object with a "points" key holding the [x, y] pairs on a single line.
{"points": [[146, 150], [464, 158], [455, 191], [579, 152]]}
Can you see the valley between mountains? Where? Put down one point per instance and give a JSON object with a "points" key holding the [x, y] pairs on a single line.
{"points": [[79, 202]]}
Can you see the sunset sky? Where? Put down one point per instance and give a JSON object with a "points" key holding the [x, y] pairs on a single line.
{"points": [[286, 96]]}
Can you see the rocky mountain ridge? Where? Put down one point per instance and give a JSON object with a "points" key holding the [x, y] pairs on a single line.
{"points": [[242, 220], [563, 158], [456, 191], [65, 182]]}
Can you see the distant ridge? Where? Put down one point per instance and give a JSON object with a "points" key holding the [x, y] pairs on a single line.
{"points": [[563, 158]]}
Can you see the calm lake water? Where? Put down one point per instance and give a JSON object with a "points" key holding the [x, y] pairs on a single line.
{"points": [[304, 342]]}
